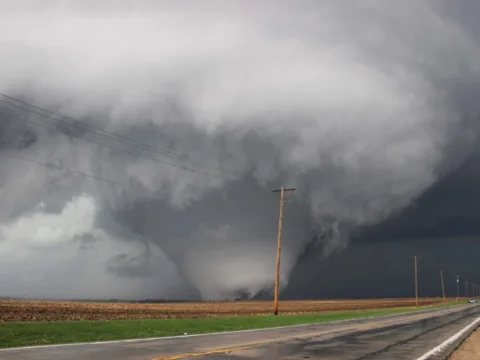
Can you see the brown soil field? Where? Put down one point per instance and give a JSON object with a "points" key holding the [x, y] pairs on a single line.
{"points": [[13, 310]]}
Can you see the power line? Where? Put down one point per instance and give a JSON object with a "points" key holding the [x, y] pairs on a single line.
{"points": [[113, 148], [113, 135], [118, 137], [110, 134], [75, 172]]}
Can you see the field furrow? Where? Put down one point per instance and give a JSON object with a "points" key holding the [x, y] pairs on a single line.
{"points": [[62, 310]]}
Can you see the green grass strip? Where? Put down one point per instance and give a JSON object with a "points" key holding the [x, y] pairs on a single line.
{"points": [[14, 334]]}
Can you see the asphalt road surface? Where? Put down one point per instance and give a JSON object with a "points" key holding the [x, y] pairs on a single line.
{"points": [[406, 336]]}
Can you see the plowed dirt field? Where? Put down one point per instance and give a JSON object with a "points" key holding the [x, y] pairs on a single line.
{"points": [[58, 311]]}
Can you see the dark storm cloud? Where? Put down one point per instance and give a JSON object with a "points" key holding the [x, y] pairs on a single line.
{"points": [[363, 106], [385, 269], [449, 208]]}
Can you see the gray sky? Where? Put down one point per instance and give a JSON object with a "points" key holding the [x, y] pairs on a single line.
{"points": [[361, 105]]}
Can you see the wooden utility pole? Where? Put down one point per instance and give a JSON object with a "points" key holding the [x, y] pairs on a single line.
{"points": [[473, 291], [466, 287], [458, 288], [443, 287], [282, 192], [416, 281]]}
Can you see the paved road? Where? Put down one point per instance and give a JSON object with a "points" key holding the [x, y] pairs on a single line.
{"points": [[405, 336], [399, 341]]}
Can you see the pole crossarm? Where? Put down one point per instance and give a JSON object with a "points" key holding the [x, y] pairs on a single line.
{"points": [[285, 190]]}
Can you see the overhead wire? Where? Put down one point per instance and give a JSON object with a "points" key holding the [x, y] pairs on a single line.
{"points": [[113, 148], [110, 134], [115, 136], [75, 172]]}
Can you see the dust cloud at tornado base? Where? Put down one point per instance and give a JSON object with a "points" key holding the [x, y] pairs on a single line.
{"points": [[357, 107]]}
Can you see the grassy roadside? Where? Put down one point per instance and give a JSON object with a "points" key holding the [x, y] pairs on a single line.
{"points": [[45, 333]]}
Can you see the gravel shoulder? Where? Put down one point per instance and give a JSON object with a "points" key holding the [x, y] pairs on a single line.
{"points": [[470, 349]]}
